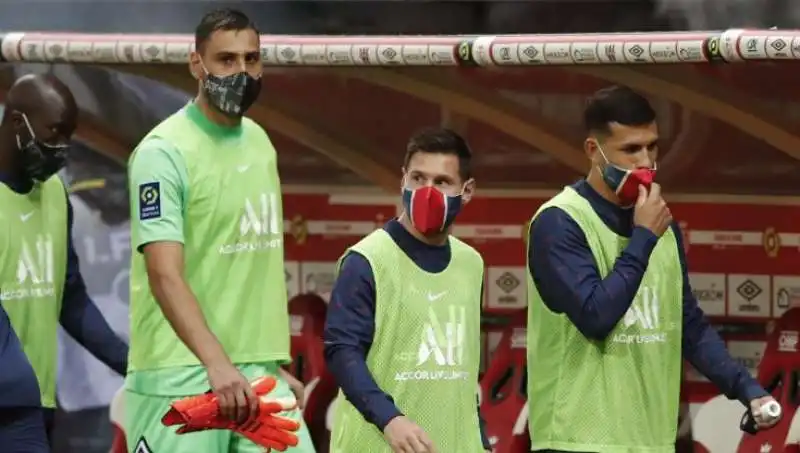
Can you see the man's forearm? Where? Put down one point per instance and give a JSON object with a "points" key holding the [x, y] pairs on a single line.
{"points": [[181, 309], [711, 358], [80, 316], [82, 320], [349, 368], [565, 272], [704, 348]]}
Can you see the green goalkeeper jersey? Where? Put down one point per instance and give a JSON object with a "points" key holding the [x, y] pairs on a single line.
{"points": [[619, 395], [215, 190]]}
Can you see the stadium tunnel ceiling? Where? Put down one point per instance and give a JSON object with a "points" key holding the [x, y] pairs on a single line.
{"points": [[524, 126]]}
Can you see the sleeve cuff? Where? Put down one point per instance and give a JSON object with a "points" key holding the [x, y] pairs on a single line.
{"points": [[751, 391], [383, 419], [163, 238], [642, 243]]}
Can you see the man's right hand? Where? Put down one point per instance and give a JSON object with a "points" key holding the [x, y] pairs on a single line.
{"points": [[404, 436], [237, 401], [651, 210]]}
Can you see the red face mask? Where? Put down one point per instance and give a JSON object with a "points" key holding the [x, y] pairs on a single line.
{"points": [[625, 183], [430, 210]]}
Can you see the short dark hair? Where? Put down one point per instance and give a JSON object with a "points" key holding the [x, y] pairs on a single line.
{"points": [[441, 141], [616, 104], [221, 19]]}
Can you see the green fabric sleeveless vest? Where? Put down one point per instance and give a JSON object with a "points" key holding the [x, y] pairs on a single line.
{"points": [[33, 245], [426, 349], [620, 395]]}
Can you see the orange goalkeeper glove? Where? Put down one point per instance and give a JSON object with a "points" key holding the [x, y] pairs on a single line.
{"points": [[199, 413], [271, 431]]}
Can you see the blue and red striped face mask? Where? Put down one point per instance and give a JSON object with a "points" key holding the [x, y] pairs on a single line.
{"points": [[430, 210], [624, 182]]}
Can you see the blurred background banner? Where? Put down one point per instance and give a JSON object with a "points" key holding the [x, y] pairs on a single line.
{"points": [[102, 240]]}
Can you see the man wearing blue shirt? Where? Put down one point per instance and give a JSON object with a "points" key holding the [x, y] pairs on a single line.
{"points": [[611, 311], [437, 168], [39, 119], [21, 421]]}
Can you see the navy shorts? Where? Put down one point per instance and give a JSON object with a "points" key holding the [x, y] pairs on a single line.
{"points": [[22, 430]]}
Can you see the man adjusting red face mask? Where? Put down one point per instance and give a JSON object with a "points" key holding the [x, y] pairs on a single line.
{"points": [[625, 183], [430, 210]]}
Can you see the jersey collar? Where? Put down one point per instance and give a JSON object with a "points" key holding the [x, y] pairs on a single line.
{"points": [[212, 128], [14, 183]]}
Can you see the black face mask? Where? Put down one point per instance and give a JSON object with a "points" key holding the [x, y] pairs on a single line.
{"points": [[39, 161], [233, 94]]}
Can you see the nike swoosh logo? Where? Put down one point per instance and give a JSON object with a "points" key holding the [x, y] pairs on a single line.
{"points": [[242, 168], [25, 217], [433, 297]]}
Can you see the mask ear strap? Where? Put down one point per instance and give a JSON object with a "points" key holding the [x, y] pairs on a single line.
{"points": [[203, 67], [600, 148], [28, 126]]}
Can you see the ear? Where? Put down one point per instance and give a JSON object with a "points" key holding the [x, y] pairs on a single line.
{"points": [[402, 179], [469, 191], [590, 148], [195, 65]]}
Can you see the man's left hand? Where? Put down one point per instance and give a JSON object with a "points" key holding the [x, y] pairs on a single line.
{"points": [[762, 420], [296, 386]]}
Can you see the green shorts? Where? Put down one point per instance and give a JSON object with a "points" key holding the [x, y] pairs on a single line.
{"points": [[145, 433]]}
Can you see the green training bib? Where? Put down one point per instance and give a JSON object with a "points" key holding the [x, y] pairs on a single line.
{"points": [[620, 395], [33, 245], [426, 349]]}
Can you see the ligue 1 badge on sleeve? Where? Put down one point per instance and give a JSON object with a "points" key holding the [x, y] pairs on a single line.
{"points": [[149, 200]]}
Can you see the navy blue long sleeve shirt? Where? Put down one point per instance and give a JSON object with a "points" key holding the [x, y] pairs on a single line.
{"points": [[18, 384], [350, 326], [564, 271], [79, 316]]}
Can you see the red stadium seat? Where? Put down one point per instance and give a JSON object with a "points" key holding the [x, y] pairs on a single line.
{"points": [[503, 392], [116, 414], [307, 313], [779, 372]]}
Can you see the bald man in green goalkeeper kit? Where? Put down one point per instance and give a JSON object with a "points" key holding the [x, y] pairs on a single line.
{"points": [[208, 295]]}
